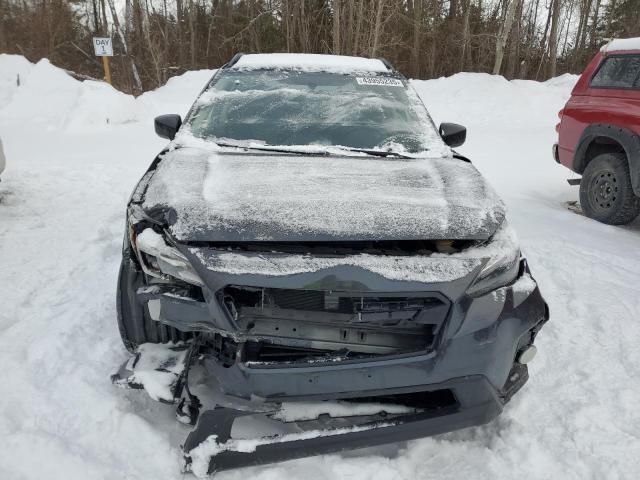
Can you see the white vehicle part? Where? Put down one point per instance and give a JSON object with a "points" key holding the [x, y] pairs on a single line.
{"points": [[163, 260]]}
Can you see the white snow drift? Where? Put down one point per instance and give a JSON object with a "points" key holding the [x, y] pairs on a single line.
{"points": [[75, 151]]}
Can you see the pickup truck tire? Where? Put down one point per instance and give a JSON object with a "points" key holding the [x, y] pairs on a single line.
{"points": [[606, 193]]}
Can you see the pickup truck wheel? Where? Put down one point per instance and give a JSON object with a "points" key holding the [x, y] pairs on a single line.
{"points": [[606, 193]]}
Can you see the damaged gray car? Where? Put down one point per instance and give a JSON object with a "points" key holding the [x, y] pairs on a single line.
{"points": [[308, 267]]}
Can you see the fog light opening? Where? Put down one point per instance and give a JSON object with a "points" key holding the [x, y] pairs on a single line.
{"points": [[527, 354]]}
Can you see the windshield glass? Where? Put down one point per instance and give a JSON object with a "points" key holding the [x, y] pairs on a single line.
{"points": [[314, 108]]}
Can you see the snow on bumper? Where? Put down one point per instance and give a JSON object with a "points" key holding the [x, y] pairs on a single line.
{"points": [[210, 447], [155, 368]]}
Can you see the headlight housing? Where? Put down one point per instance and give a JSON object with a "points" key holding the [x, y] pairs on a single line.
{"points": [[161, 260], [503, 264]]}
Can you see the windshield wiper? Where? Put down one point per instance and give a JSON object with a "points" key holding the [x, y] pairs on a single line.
{"points": [[375, 153], [267, 148], [313, 151]]}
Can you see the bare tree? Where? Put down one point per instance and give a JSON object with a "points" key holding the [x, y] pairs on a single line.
{"points": [[377, 27], [504, 35], [116, 24], [336, 26], [465, 32], [553, 38], [423, 38]]}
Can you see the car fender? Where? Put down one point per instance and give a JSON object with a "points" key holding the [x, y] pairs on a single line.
{"points": [[628, 140]]}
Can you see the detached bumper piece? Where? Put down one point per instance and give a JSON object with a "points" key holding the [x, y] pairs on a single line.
{"points": [[156, 368], [211, 446]]}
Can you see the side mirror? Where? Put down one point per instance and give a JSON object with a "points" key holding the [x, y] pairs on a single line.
{"points": [[167, 125], [453, 134]]}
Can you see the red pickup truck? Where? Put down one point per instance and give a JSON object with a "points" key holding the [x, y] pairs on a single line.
{"points": [[599, 133]]}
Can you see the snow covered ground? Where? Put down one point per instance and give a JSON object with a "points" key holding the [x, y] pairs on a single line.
{"points": [[74, 152]]}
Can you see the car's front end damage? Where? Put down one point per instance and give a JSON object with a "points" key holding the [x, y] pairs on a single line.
{"points": [[421, 329]]}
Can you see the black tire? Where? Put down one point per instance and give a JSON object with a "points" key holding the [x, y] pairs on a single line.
{"points": [[135, 324], [606, 193]]}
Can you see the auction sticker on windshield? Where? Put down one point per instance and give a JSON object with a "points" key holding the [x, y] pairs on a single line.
{"points": [[384, 81]]}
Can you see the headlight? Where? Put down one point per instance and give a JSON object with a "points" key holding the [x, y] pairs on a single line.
{"points": [[503, 263], [161, 260]]}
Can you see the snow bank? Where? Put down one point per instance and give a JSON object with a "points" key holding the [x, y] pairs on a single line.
{"points": [[491, 101], [177, 95], [502, 117], [13, 71], [49, 98], [565, 82]]}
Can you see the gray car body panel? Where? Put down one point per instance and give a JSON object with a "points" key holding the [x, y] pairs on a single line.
{"points": [[210, 315], [480, 336], [227, 196]]}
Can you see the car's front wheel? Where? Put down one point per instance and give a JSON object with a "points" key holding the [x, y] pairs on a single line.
{"points": [[134, 322], [606, 193]]}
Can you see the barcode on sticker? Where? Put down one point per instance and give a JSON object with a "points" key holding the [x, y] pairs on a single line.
{"points": [[384, 81]]}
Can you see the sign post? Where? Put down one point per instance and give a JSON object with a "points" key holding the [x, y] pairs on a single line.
{"points": [[104, 48]]}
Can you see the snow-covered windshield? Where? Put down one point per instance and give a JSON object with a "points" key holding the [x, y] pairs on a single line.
{"points": [[272, 107]]}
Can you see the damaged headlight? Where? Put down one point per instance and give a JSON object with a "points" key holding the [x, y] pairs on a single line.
{"points": [[503, 253], [161, 260]]}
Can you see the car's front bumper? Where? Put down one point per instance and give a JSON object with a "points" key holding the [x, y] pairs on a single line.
{"points": [[480, 336], [477, 402], [486, 344], [465, 376]]}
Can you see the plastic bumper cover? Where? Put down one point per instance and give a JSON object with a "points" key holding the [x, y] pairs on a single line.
{"points": [[477, 403], [485, 343]]}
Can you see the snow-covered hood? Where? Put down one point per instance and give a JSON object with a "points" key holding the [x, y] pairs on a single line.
{"points": [[235, 197]]}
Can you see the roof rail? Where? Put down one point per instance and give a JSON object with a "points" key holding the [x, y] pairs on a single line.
{"points": [[234, 60]]}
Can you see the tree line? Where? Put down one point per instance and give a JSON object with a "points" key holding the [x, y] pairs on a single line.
{"points": [[156, 39]]}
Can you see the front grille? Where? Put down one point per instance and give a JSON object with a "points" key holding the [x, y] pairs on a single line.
{"points": [[364, 306], [296, 299], [261, 352], [289, 325]]}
